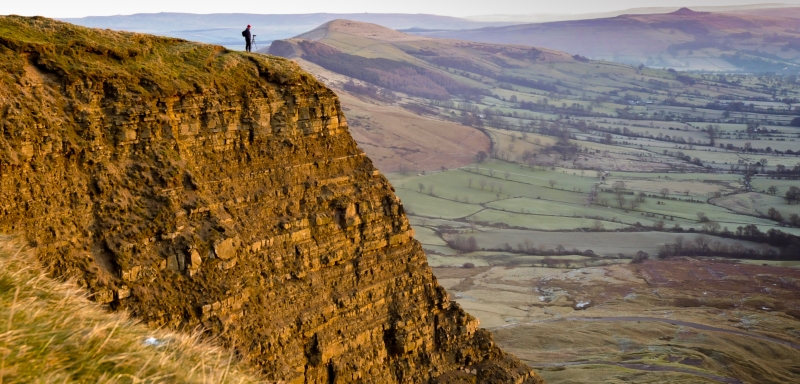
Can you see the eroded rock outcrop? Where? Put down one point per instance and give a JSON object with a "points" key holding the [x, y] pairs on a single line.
{"points": [[201, 187]]}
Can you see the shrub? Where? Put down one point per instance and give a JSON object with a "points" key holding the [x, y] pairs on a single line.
{"points": [[640, 257]]}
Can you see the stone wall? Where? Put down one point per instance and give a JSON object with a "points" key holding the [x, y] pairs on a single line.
{"points": [[195, 187]]}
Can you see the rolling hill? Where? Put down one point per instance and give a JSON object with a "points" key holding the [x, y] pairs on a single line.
{"points": [[415, 65], [223, 29], [684, 39]]}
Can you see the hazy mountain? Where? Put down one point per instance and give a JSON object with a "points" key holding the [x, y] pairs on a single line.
{"points": [[772, 9], [224, 29], [793, 12], [683, 39]]}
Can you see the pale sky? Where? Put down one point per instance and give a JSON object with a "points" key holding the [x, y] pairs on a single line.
{"points": [[80, 8]]}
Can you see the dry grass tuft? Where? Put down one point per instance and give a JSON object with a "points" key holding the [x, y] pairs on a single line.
{"points": [[50, 333]]}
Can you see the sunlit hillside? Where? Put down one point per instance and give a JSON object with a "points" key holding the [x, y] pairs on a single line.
{"points": [[607, 192]]}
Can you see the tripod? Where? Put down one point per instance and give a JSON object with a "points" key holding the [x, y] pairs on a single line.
{"points": [[253, 45]]}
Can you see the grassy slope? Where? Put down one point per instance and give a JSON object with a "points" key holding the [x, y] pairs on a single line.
{"points": [[50, 333]]}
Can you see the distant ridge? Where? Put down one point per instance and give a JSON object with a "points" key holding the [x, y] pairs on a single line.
{"points": [[224, 28], [544, 17], [684, 39]]}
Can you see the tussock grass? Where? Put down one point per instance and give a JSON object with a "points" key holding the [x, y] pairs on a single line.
{"points": [[51, 333]]}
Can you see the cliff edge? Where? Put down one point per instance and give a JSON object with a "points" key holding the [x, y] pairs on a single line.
{"points": [[199, 187]]}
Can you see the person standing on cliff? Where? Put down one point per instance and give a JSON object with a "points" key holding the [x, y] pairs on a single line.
{"points": [[246, 34]]}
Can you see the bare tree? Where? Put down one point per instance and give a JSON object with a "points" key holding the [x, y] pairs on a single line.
{"points": [[641, 197], [507, 174], [679, 243], [552, 183], [712, 132], [716, 246], [472, 244], [633, 204], [492, 185], [482, 183], [618, 187], [774, 214], [702, 242], [421, 187], [664, 192], [430, 189], [529, 246], [621, 200], [711, 226], [469, 183]]}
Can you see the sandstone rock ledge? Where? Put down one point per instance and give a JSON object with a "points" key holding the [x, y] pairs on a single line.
{"points": [[201, 187]]}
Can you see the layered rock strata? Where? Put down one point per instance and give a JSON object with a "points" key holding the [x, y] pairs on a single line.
{"points": [[199, 187]]}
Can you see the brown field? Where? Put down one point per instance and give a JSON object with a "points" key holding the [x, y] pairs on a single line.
{"points": [[398, 140], [684, 319]]}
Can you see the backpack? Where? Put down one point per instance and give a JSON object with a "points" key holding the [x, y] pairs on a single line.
{"points": [[244, 33]]}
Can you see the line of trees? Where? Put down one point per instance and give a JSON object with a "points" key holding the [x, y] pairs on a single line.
{"points": [[707, 246]]}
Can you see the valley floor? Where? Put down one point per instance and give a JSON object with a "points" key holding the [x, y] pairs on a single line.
{"points": [[684, 319]]}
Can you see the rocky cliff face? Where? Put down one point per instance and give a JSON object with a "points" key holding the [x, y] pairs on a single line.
{"points": [[200, 187]]}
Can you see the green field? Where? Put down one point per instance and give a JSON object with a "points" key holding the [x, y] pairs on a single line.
{"points": [[498, 197], [558, 122]]}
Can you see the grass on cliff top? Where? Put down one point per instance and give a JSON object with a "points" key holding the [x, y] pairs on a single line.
{"points": [[50, 333], [128, 61]]}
